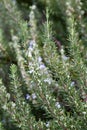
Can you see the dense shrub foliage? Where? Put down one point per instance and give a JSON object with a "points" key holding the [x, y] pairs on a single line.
{"points": [[43, 65]]}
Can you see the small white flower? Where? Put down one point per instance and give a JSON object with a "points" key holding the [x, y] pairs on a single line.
{"points": [[67, 3], [13, 105], [31, 15], [72, 84], [8, 95], [31, 71], [34, 96], [62, 51], [39, 59], [15, 38], [29, 54], [84, 113], [82, 12], [5, 107], [33, 7], [30, 64], [58, 105], [47, 81]]}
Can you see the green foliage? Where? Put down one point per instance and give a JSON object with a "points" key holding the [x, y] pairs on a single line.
{"points": [[46, 85]]}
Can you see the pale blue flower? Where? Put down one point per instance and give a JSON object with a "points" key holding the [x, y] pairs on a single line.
{"points": [[14, 2], [42, 66], [32, 43], [72, 84], [31, 46], [3, 121], [28, 96], [65, 58], [47, 124]]}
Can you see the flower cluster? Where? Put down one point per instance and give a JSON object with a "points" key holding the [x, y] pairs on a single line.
{"points": [[46, 86]]}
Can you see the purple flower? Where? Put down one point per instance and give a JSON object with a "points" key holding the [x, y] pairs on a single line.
{"points": [[28, 96], [31, 48], [42, 66], [32, 43]]}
